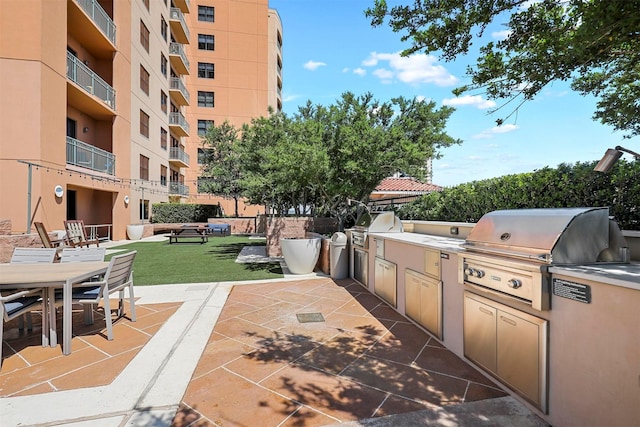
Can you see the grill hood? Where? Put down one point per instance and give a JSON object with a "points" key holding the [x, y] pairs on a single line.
{"points": [[384, 222], [558, 236]]}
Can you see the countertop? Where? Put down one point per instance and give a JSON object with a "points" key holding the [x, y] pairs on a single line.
{"points": [[617, 274], [625, 275]]}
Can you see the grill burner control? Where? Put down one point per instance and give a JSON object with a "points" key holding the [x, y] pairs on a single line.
{"points": [[472, 272], [514, 283]]}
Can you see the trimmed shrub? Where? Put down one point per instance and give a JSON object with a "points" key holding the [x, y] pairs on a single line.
{"points": [[183, 212], [566, 186]]}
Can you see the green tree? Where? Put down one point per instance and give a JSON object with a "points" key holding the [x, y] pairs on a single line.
{"points": [[595, 44], [221, 170]]}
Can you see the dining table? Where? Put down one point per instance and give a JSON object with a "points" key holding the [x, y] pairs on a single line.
{"points": [[52, 276]]}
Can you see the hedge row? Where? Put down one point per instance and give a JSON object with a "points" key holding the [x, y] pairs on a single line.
{"points": [[183, 213], [566, 186]]}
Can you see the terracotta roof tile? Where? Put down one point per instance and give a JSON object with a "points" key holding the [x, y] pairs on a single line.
{"points": [[407, 184]]}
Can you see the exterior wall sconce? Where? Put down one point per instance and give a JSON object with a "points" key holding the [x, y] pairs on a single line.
{"points": [[58, 191], [126, 200], [611, 156], [85, 129]]}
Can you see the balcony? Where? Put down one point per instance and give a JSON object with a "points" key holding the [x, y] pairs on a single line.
{"points": [[178, 58], [87, 156], [178, 124], [183, 5], [178, 188], [90, 93], [178, 25], [88, 21], [178, 91], [178, 157]]}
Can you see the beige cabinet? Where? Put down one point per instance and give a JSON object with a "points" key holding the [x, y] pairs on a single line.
{"points": [[432, 263], [510, 344], [424, 301], [385, 280]]}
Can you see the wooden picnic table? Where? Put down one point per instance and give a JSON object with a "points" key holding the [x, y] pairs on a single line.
{"points": [[189, 233]]}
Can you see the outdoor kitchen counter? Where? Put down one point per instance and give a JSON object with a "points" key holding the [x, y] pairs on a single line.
{"points": [[447, 244], [624, 275]]}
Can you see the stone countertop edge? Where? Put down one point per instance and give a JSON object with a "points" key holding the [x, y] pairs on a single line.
{"points": [[617, 274]]}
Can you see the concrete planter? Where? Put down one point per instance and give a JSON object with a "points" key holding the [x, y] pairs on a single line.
{"points": [[135, 231], [301, 255]]}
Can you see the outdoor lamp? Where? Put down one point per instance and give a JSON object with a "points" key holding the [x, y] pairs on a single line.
{"points": [[611, 156]]}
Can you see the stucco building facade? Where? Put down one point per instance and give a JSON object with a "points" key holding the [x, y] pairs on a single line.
{"points": [[103, 102]]}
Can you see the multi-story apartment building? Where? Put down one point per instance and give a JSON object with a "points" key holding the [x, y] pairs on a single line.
{"points": [[102, 102]]}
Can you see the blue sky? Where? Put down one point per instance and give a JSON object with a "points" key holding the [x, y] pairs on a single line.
{"points": [[330, 48]]}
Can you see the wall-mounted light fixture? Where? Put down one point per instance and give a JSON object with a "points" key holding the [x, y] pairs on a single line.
{"points": [[85, 129], [611, 156], [126, 200], [58, 191]]}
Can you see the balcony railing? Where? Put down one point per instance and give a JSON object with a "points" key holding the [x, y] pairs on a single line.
{"points": [[100, 18], [177, 84], [176, 15], [90, 81], [179, 154], [178, 188], [87, 156], [176, 49], [177, 119]]}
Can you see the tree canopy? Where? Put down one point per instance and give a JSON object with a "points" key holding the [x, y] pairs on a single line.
{"points": [[323, 155], [595, 44]]}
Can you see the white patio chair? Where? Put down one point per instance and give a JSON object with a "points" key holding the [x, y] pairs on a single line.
{"points": [[82, 254], [32, 255], [119, 276], [16, 303]]}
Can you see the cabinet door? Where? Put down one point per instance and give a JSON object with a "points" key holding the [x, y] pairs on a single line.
{"points": [[480, 340], [430, 303], [390, 283], [412, 293], [518, 354], [432, 263], [378, 280]]}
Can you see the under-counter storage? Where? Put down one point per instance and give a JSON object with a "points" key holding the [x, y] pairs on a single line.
{"points": [[385, 281], [510, 344], [432, 263], [423, 301]]}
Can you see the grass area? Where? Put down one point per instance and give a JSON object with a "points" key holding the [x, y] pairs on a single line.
{"points": [[161, 263]]}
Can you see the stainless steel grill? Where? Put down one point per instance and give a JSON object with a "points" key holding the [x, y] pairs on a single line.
{"points": [[509, 251]]}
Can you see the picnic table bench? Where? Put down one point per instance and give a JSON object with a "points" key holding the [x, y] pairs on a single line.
{"points": [[188, 234], [219, 229]]}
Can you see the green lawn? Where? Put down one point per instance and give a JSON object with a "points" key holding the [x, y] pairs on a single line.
{"points": [[161, 263]]}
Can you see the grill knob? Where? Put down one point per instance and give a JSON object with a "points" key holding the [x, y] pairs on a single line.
{"points": [[469, 271], [479, 274], [514, 283]]}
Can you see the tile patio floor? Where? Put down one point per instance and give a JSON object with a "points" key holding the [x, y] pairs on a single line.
{"points": [[262, 367]]}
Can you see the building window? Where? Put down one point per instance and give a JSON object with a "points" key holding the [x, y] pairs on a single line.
{"points": [[144, 80], [146, 3], [144, 209], [144, 36], [163, 175], [203, 125], [205, 42], [144, 124], [205, 70], [163, 64], [163, 138], [163, 101], [206, 13], [164, 28], [201, 156], [205, 99], [144, 167]]}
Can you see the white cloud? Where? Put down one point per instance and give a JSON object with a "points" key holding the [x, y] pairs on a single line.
{"points": [[496, 130], [501, 35], [414, 69], [474, 100], [289, 98], [360, 71], [346, 69], [313, 65]]}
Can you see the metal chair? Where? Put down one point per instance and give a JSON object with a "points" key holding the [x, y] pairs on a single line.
{"points": [[77, 234], [82, 254], [21, 255], [14, 304], [119, 276]]}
